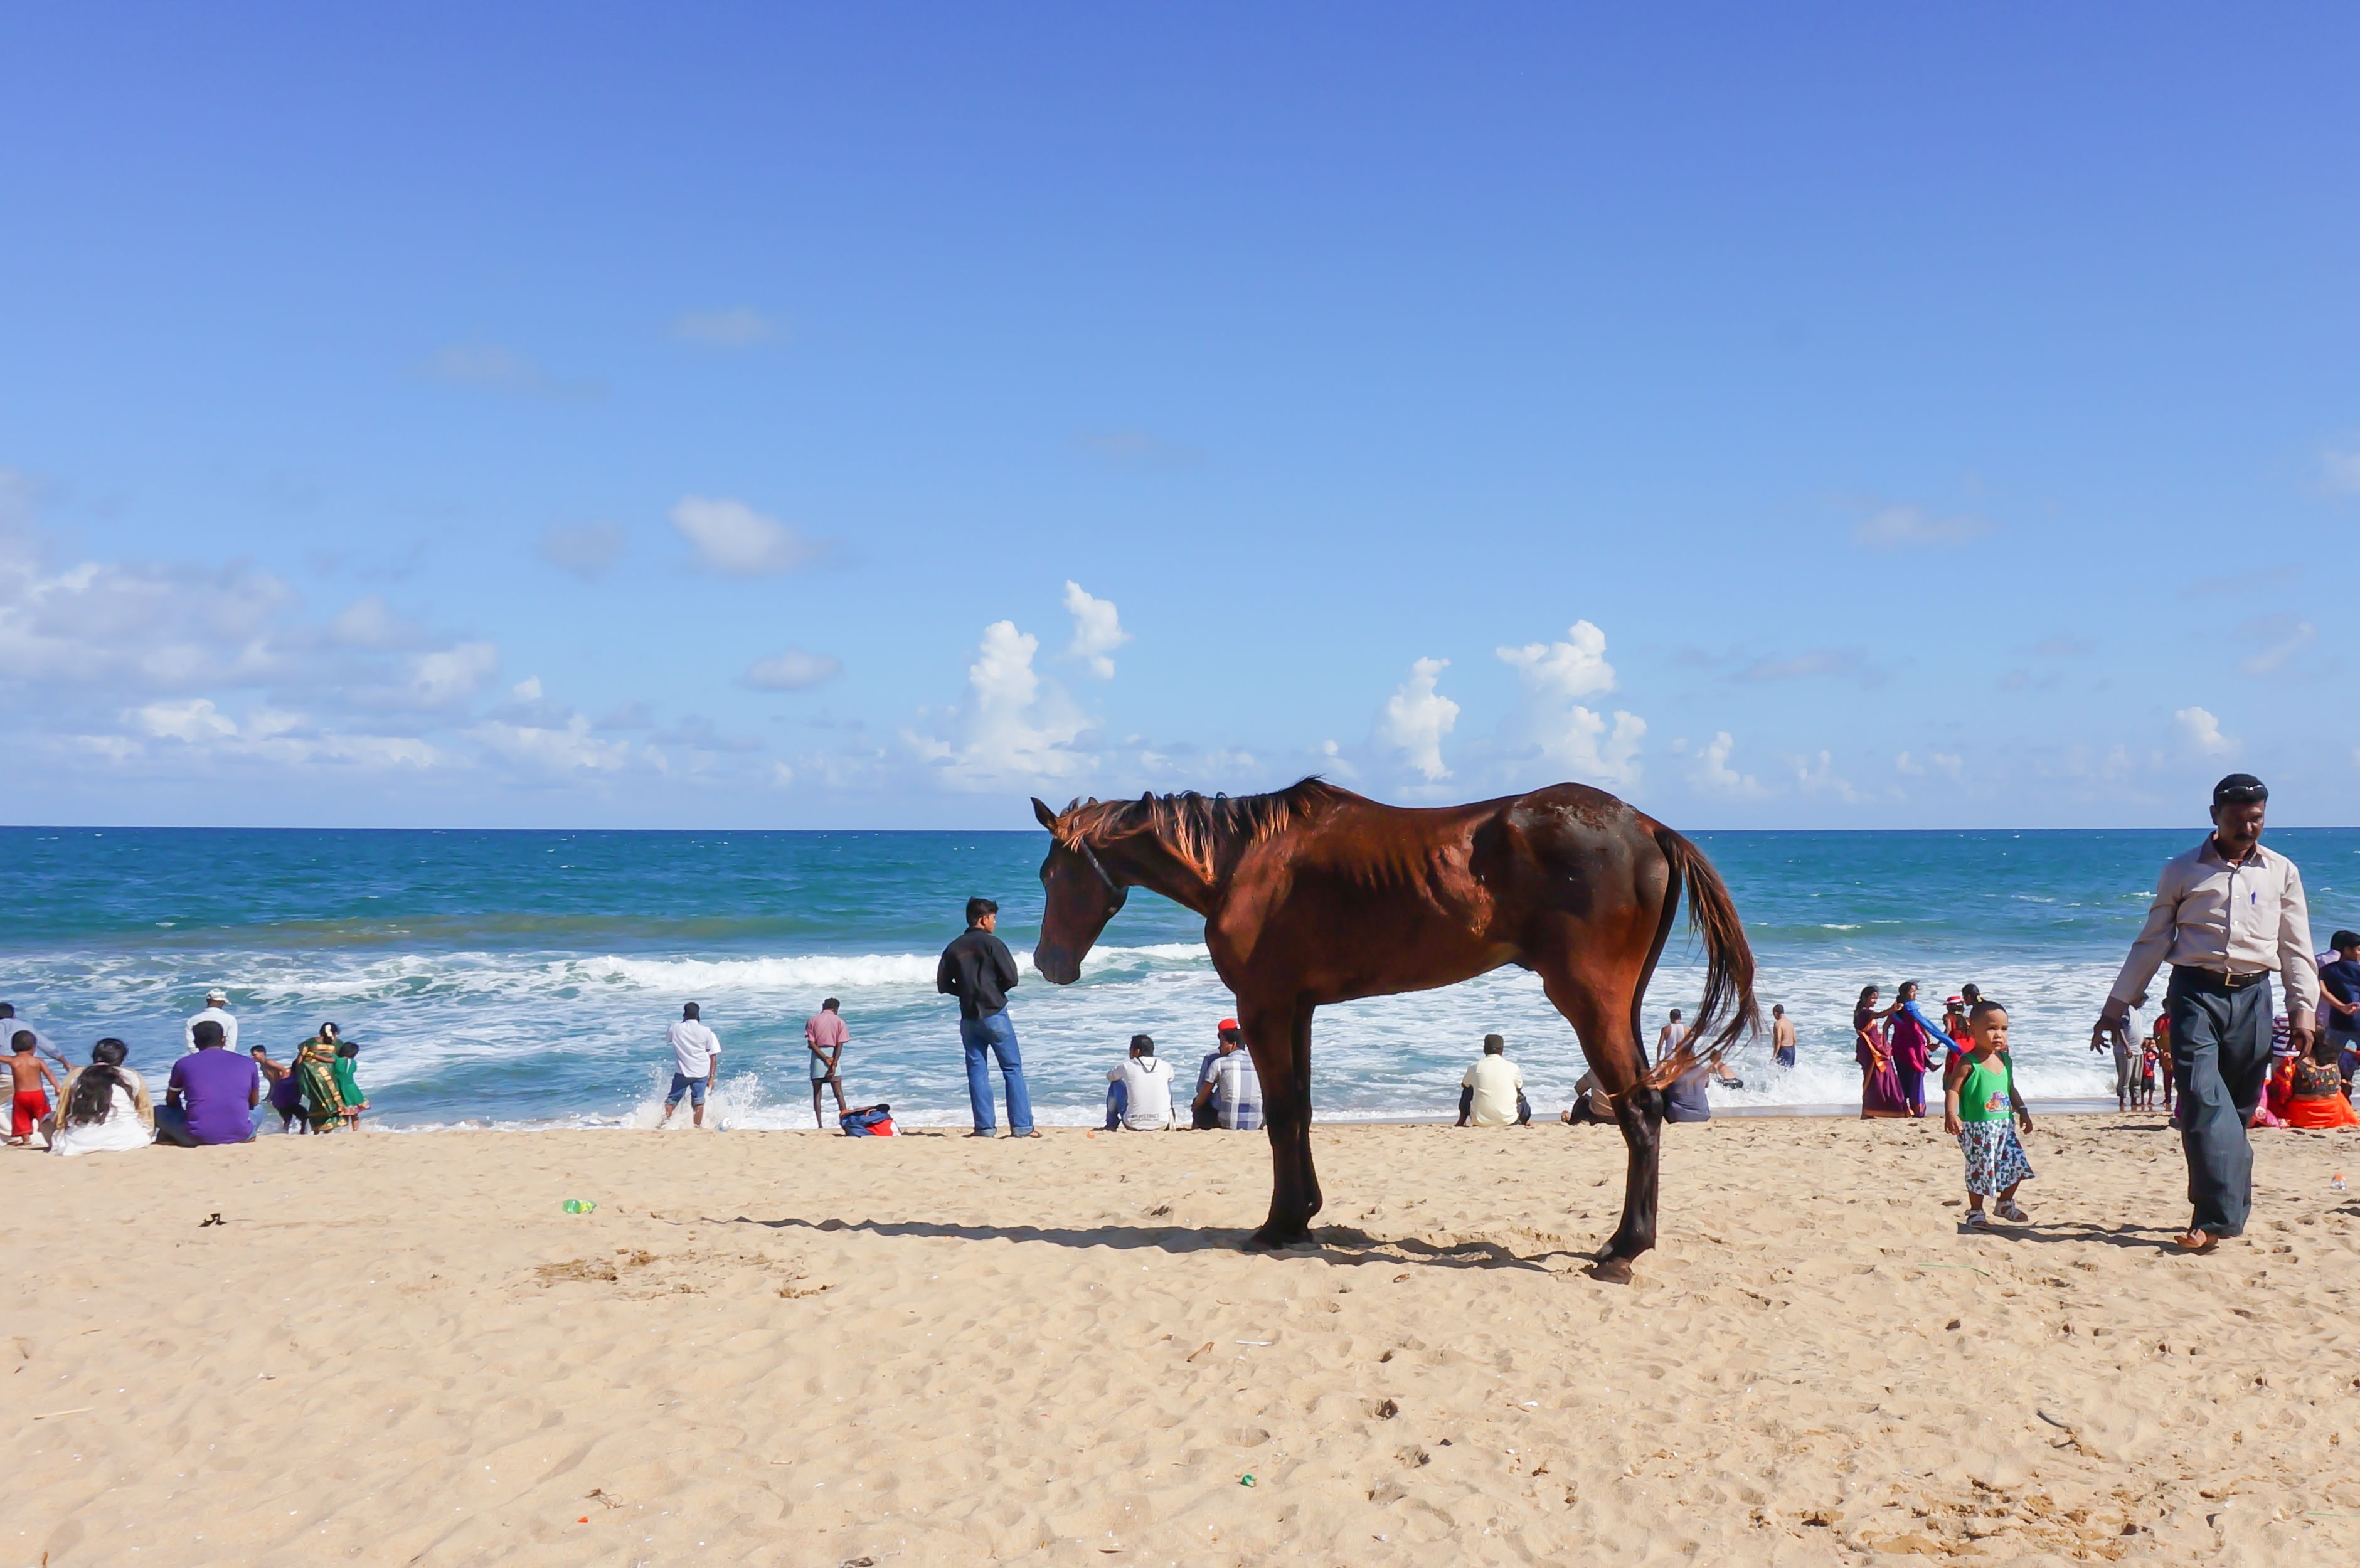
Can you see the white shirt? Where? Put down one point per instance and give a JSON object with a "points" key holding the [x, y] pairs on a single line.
{"points": [[121, 1130], [2246, 919], [693, 1047], [1147, 1086], [219, 1015], [1496, 1082], [11, 1027]]}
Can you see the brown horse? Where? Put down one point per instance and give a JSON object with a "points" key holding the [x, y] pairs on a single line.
{"points": [[1316, 895]]}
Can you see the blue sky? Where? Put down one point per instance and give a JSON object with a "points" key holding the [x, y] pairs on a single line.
{"points": [[870, 417]]}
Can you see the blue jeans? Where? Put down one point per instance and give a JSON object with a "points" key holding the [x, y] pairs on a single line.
{"points": [[1118, 1106], [997, 1036], [682, 1083]]}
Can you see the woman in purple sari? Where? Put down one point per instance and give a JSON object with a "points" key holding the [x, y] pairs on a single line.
{"points": [[1880, 1086], [1915, 1038]]}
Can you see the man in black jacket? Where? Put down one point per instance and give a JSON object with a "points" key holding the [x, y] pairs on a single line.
{"points": [[979, 971]]}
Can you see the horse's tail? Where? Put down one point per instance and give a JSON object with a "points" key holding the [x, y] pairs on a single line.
{"points": [[1729, 958]]}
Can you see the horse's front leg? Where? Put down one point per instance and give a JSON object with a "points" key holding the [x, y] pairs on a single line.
{"points": [[1271, 1039]]}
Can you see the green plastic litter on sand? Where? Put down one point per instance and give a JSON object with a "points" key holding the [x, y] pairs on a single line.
{"points": [[1246, 1480]]}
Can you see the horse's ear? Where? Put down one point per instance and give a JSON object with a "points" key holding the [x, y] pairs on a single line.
{"points": [[1048, 818]]}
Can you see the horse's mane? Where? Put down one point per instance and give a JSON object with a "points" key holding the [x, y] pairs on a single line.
{"points": [[1201, 831]]}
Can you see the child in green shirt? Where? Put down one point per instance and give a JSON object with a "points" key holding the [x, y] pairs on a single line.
{"points": [[1978, 1097], [348, 1086]]}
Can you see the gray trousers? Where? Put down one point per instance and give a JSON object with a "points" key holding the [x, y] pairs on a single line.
{"points": [[2220, 1056]]}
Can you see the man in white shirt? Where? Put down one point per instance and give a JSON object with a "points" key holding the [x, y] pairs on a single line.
{"points": [[11, 1026], [2227, 914], [696, 1061], [217, 1011], [1139, 1093], [1492, 1092]]}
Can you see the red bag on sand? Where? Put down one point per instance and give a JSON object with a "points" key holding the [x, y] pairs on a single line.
{"points": [[882, 1129]]}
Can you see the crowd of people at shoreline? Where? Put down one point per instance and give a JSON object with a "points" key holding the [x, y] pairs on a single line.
{"points": [[210, 1097]]}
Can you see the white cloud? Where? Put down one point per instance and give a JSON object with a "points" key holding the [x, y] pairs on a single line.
{"points": [[370, 623], [1013, 728], [193, 720], [1898, 528], [1550, 723], [566, 748], [1097, 630], [451, 675], [793, 671], [1417, 716], [1713, 775], [732, 539], [1818, 776], [1945, 763], [1573, 668], [740, 328], [586, 549], [2282, 636], [2201, 733]]}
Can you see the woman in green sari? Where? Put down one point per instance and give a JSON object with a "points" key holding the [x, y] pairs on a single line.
{"points": [[315, 1068]]}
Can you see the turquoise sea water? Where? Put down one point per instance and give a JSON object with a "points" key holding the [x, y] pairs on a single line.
{"points": [[525, 979]]}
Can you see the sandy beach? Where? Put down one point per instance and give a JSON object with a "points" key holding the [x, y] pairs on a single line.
{"points": [[803, 1349]]}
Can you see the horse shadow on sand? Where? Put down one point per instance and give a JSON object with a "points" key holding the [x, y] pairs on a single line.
{"points": [[1332, 1244]]}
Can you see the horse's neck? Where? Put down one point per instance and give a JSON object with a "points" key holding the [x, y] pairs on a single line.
{"points": [[1146, 863]]}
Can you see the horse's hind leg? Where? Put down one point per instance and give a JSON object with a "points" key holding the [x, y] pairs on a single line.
{"points": [[1609, 1031]]}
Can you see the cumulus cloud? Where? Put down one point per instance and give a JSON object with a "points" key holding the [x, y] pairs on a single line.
{"points": [[1818, 776], [1551, 723], [732, 539], [1905, 527], [370, 623], [586, 549], [1713, 775], [451, 675], [1417, 718], [565, 748], [740, 328], [1942, 762], [1012, 728], [793, 671], [2200, 731], [1097, 630]]}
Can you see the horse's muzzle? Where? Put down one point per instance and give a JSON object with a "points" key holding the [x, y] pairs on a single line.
{"points": [[1055, 966]]}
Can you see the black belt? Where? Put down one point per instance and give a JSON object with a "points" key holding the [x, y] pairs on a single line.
{"points": [[2217, 979]]}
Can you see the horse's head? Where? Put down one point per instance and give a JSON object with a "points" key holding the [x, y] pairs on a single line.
{"points": [[1081, 898]]}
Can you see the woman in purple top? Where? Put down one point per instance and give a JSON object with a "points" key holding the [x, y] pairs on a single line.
{"points": [[1915, 1039], [1880, 1086]]}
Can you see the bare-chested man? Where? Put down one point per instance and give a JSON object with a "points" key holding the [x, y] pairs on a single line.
{"points": [[1782, 1036]]}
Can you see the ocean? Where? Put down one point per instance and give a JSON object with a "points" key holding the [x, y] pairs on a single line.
{"points": [[523, 980]]}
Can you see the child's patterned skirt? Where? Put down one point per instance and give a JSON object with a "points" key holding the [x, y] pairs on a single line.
{"points": [[1996, 1159]]}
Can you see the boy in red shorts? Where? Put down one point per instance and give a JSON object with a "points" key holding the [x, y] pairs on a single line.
{"points": [[27, 1071]]}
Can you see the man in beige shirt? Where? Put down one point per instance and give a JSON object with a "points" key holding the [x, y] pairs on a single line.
{"points": [[2225, 914]]}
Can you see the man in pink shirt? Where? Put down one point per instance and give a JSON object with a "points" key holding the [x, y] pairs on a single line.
{"points": [[824, 1036]]}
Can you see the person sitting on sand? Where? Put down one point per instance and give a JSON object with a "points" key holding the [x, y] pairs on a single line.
{"points": [[1492, 1092], [348, 1083], [211, 1095], [824, 1038], [696, 1061], [105, 1107], [1229, 1090], [1591, 1103], [286, 1092], [1977, 1095], [2308, 1093], [27, 1072], [1139, 1093], [315, 1071]]}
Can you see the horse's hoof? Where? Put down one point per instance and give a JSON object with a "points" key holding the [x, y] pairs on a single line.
{"points": [[1274, 1236], [1612, 1270]]}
